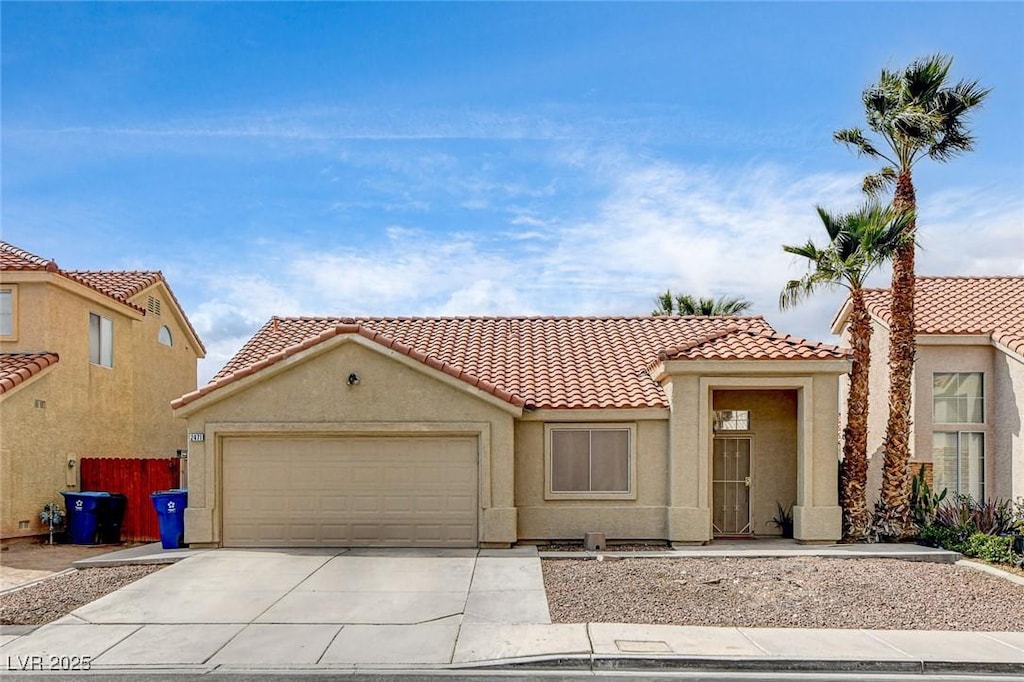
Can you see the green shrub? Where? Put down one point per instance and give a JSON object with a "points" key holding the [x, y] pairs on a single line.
{"points": [[976, 529], [994, 548]]}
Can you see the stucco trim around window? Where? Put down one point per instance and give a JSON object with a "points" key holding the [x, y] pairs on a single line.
{"points": [[554, 470], [9, 312]]}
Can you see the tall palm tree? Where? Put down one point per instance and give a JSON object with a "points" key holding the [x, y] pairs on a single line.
{"points": [[914, 114], [858, 243], [684, 304]]}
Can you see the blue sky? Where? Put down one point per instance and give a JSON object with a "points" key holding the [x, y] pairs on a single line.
{"points": [[436, 159]]}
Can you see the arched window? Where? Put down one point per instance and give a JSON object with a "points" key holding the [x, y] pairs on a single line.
{"points": [[164, 336]]}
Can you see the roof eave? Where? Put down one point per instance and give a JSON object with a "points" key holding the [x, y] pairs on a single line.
{"points": [[839, 321], [4, 394], [754, 367]]}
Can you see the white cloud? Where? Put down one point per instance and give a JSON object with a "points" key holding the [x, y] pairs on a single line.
{"points": [[659, 225]]}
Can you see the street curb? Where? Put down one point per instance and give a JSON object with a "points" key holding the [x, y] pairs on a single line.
{"points": [[755, 665]]}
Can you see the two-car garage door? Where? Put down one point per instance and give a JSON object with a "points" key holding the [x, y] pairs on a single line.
{"points": [[350, 492]]}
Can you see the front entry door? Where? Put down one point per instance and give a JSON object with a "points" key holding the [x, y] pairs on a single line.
{"points": [[731, 485]]}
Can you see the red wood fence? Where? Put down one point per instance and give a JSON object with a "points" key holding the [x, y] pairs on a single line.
{"points": [[136, 479]]}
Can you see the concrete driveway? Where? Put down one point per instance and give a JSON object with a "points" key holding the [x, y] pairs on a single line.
{"points": [[287, 608]]}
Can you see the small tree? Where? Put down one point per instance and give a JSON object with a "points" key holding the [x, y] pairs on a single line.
{"points": [[858, 242], [685, 304]]}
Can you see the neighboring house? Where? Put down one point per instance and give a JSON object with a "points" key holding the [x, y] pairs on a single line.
{"points": [[485, 431], [968, 387], [88, 364]]}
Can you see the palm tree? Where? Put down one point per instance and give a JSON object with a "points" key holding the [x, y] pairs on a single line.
{"points": [[858, 243], [685, 304], [915, 114]]}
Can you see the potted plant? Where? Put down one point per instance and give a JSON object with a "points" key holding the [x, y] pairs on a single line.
{"points": [[783, 520]]}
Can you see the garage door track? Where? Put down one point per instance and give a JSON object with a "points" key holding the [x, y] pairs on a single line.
{"points": [[292, 608]]}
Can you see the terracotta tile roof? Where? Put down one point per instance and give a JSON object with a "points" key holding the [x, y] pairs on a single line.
{"points": [[119, 285], [537, 362], [747, 344], [13, 258], [16, 368], [963, 305]]}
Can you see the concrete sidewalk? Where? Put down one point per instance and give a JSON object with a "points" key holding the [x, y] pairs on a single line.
{"points": [[312, 610], [247, 648]]}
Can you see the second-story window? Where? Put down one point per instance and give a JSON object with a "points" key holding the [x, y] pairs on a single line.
{"points": [[959, 397], [7, 312], [101, 340]]}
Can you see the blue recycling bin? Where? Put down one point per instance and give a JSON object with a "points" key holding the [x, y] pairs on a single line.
{"points": [[170, 508], [83, 515]]}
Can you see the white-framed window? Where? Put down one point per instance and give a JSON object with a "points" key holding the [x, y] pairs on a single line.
{"points": [[101, 340], [958, 462], [958, 397], [8, 313], [164, 336], [593, 461], [732, 420]]}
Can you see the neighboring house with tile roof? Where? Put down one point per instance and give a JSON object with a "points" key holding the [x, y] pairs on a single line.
{"points": [[88, 364], [486, 431], [968, 387]]}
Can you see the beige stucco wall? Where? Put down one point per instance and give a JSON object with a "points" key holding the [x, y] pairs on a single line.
{"points": [[90, 411], [642, 518], [1004, 387], [309, 394], [1007, 413], [773, 466], [159, 375], [878, 407], [950, 358]]}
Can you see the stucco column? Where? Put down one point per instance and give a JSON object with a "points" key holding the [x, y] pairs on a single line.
{"points": [[200, 528], [817, 516], [500, 522], [688, 516]]}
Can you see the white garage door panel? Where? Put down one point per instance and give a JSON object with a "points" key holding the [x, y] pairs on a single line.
{"points": [[397, 492]]}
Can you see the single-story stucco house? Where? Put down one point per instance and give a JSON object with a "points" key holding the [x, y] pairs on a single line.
{"points": [[487, 431], [968, 386]]}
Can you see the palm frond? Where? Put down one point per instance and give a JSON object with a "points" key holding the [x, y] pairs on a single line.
{"points": [[875, 184], [916, 112], [854, 139], [924, 77], [951, 144], [731, 306], [859, 242], [664, 302]]}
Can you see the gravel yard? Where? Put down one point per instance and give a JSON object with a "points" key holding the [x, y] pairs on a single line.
{"points": [[60, 595], [806, 592]]}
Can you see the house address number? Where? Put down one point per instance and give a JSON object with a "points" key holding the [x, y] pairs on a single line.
{"points": [[196, 437]]}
